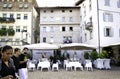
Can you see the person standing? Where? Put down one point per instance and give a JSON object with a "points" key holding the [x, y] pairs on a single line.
{"points": [[15, 58], [7, 68], [23, 72]]}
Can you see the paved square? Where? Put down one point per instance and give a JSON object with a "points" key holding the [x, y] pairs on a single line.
{"points": [[114, 73]]}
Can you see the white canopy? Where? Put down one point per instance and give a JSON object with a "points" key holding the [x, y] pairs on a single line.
{"points": [[115, 44], [42, 46], [77, 46]]}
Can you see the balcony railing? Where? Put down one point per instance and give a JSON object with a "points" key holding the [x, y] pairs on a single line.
{"points": [[89, 26], [67, 41], [6, 20]]}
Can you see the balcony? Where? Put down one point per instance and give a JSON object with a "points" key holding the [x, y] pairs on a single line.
{"points": [[89, 26], [6, 20]]}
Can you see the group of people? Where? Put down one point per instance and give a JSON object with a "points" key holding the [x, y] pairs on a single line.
{"points": [[13, 63]]}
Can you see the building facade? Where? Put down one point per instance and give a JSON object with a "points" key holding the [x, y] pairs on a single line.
{"points": [[59, 24], [18, 16], [100, 22]]}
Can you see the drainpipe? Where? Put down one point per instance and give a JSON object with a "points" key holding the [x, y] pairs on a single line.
{"points": [[98, 28]]}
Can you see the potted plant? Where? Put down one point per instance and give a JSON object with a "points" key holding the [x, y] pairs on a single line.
{"points": [[94, 55], [104, 54], [86, 55], [4, 31], [11, 32]]}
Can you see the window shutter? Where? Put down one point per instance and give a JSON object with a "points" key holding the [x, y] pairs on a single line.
{"points": [[61, 29], [104, 32], [119, 32], [104, 17], [111, 17], [112, 32], [47, 29], [118, 4]]}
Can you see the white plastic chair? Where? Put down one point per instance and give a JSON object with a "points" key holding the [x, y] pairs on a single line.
{"points": [[88, 65], [68, 66], [39, 65], [65, 62], [55, 66], [107, 63], [77, 65], [45, 65], [31, 65]]}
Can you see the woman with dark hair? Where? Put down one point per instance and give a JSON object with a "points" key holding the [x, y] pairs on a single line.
{"points": [[7, 70]]}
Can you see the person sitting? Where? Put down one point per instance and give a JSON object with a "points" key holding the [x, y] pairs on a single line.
{"points": [[75, 57], [44, 55]]}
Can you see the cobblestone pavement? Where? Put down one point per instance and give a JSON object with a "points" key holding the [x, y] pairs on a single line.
{"points": [[114, 73]]}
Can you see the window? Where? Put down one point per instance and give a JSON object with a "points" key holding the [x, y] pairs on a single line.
{"points": [[26, 5], [85, 37], [11, 27], [63, 19], [63, 11], [90, 7], [10, 41], [25, 16], [44, 11], [44, 39], [4, 15], [108, 32], [119, 32], [70, 19], [17, 41], [70, 10], [81, 40], [51, 29], [67, 39], [70, 28], [3, 27], [18, 16], [107, 2], [118, 3], [51, 19], [25, 0], [52, 11], [44, 29], [21, 5], [17, 28], [63, 28], [51, 39], [25, 28], [11, 16], [10, 5], [91, 36], [44, 19], [84, 11], [107, 17], [5, 5]]}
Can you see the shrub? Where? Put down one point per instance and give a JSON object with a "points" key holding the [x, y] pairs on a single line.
{"points": [[104, 54], [94, 55], [86, 55]]}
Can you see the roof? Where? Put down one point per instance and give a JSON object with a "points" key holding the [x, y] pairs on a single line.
{"points": [[79, 2]]}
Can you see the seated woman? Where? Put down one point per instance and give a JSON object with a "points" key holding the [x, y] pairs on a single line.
{"points": [[44, 57], [75, 57]]}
